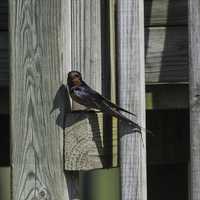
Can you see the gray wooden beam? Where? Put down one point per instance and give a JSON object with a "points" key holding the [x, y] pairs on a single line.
{"points": [[166, 53], [131, 84], [194, 66], [90, 49], [165, 12], [40, 58], [157, 13], [86, 40], [86, 44], [166, 58]]}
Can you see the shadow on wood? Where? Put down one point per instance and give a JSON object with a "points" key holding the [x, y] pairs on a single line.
{"points": [[87, 142], [62, 102], [72, 179], [86, 145], [84, 141]]}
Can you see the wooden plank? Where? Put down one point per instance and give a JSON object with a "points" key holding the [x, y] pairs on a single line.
{"points": [[165, 12], [167, 96], [194, 77], [3, 15], [131, 85], [166, 55], [157, 13], [85, 141], [86, 41], [91, 50], [40, 54]]}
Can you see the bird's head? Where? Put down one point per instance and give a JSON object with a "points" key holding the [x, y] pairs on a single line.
{"points": [[74, 78]]}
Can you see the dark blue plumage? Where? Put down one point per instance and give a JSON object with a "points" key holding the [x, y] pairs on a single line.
{"points": [[84, 95]]}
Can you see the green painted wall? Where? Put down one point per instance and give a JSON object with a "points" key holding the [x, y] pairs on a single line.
{"points": [[101, 184], [5, 183]]}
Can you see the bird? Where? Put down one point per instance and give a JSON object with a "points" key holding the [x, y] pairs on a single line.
{"points": [[91, 99]]}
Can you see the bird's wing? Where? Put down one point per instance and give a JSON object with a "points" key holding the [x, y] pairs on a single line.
{"points": [[117, 107], [87, 96], [96, 96], [106, 108], [93, 99]]}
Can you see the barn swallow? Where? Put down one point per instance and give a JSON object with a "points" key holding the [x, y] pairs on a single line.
{"points": [[84, 95]]}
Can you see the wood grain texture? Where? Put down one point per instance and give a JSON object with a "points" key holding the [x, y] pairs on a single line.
{"points": [[91, 51], [3, 15], [194, 66], [165, 12], [86, 40], [84, 141], [166, 55], [38, 50], [157, 12], [131, 85]]}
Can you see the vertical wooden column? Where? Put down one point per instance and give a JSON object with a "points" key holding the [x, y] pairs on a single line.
{"points": [[194, 81], [86, 40], [86, 43], [40, 44], [131, 84]]}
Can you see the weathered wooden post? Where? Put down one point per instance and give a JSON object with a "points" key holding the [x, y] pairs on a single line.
{"points": [[194, 81], [131, 85], [86, 41], [40, 40], [90, 56]]}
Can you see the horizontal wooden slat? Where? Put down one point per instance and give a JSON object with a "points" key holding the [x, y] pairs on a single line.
{"points": [[157, 12], [165, 12], [166, 54], [3, 14]]}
